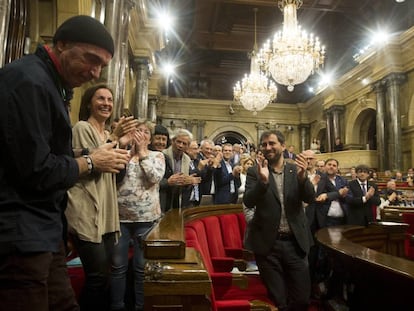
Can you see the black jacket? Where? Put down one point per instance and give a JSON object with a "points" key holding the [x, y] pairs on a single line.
{"points": [[263, 227], [36, 163]]}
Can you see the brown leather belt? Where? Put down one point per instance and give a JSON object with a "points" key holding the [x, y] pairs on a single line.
{"points": [[285, 236]]}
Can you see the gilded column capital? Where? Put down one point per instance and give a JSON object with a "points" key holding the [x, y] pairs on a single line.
{"points": [[142, 63], [261, 126], [378, 87], [395, 78], [154, 100], [335, 109]]}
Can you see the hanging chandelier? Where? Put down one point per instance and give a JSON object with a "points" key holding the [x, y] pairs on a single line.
{"points": [[293, 55], [256, 90]]}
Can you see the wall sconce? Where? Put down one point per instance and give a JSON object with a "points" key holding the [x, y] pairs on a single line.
{"points": [[289, 128]]}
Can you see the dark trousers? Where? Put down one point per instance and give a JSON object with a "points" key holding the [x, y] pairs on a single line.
{"points": [[96, 261], [285, 273], [35, 282]]}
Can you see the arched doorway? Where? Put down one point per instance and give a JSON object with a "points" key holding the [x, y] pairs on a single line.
{"points": [[366, 136], [229, 137], [322, 140]]}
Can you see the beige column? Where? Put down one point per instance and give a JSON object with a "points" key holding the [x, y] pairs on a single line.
{"points": [[334, 122], [393, 82], [117, 21], [304, 136], [329, 139], [261, 127], [381, 126], [200, 129], [4, 27], [152, 114], [141, 67]]}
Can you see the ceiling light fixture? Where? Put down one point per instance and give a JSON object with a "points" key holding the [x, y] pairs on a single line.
{"points": [[256, 90], [293, 55]]}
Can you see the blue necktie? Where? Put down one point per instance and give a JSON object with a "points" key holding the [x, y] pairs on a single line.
{"points": [[364, 189]]}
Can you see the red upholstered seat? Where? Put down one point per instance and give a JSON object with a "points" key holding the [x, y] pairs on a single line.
{"points": [[233, 235], [242, 224], [214, 236], [232, 305], [409, 241], [77, 279], [218, 279], [216, 264], [198, 232], [230, 228]]}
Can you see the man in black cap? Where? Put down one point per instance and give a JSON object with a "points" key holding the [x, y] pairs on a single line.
{"points": [[38, 164]]}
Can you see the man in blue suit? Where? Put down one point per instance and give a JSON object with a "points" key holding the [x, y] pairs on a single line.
{"points": [[328, 210], [279, 234], [331, 192], [226, 178]]}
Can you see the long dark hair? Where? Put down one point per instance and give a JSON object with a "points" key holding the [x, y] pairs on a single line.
{"points": [[85, 106]]}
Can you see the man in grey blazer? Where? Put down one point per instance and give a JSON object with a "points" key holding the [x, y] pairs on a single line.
{"points": [[180, 163], [279, 234]]}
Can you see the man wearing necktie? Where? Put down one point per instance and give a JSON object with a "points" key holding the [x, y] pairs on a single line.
{"points": [[364, 188], [289, 153], [191, 193], [363, 199]]}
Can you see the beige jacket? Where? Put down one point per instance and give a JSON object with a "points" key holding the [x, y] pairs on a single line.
{"points": [[92, 203]]}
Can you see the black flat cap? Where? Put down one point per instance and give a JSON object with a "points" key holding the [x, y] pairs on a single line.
{"points": [[86, 29]]}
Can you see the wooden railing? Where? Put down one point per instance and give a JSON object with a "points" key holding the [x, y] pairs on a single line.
{"points": [[175, 276], [394, 213], [371, 259]]}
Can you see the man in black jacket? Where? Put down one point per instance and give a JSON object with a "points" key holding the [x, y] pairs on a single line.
{"points": [[279, 234], [364, 198], [37, 163]]}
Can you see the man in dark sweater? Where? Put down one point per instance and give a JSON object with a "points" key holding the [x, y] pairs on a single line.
{"points": [[38, 164]]}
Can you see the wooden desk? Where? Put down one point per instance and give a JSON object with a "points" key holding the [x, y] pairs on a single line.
{"points": [[394, 213], [175, 276], [382, 281], [177, 284]]}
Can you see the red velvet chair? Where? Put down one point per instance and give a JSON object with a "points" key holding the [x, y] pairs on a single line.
{"points": [[216, 263], [233, 234], [242, 224], [216, 246], [408, 218], [251, 286], [77, 279], [222, 282]]}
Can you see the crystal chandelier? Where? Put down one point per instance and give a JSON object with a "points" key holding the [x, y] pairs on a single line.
{"points": [[293, 55], [255, 91]]}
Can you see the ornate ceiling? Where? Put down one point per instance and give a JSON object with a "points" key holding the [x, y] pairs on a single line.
{"points": [[213, 39]]}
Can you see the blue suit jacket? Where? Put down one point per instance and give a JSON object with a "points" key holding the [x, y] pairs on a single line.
{"points": [[222, 180], [325, 186]]}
